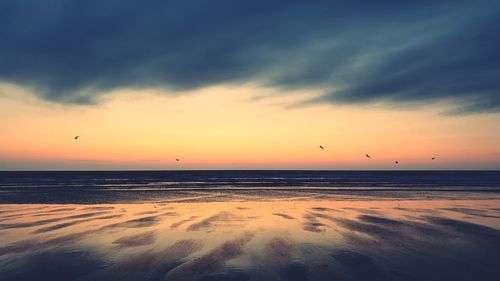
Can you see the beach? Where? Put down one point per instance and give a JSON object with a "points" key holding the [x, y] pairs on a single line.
{"points": [[250, 140], [245, 234], [253, 240]]}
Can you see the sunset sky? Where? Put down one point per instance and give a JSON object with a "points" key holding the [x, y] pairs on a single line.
{"points": [[249, 85]]}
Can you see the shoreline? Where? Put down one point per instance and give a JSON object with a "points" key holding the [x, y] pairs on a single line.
{"points": [[252, 240]]}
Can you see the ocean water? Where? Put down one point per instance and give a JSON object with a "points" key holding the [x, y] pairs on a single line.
{"points": [[133, 186], [250, 225]]}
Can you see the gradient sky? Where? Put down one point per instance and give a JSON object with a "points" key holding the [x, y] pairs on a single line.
{"points": [[249, 84]]}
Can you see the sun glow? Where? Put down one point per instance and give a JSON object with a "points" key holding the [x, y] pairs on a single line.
{"points": [[241, 127]]}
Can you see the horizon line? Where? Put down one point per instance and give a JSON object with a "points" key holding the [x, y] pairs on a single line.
{"points": [[261, 170]]}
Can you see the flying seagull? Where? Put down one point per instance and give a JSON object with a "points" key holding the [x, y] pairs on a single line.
{"points": [[177, 159], [76, 137], [396, 162], [368, 156], [321, 147]]}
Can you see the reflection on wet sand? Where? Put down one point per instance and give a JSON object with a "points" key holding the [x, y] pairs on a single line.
{"points": [[253, 240]]}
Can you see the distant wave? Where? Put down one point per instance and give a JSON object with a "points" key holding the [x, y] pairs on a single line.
{"points": [[266, 179], [113, 186]]}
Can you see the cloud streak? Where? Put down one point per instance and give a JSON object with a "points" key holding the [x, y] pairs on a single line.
{"points": [[350, 51]]}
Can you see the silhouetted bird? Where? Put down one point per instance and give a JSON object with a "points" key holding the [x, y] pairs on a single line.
{"points": [[433, 158], [396, 162], [76, 137], [321, 147], [368, 156], [177, 159]]}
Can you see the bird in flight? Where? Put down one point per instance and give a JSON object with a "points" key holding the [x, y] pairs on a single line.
{"points": [[177, 159], [396, 162], [76, 137], [368, 156], [321, 147], [433, 158]]}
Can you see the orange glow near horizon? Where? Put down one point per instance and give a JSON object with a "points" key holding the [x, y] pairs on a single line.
{"points": [[224, 128]]}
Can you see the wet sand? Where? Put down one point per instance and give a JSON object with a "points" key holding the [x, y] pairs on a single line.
{"points": [[293, 237]]}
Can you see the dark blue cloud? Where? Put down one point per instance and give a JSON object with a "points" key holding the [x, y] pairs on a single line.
{"points": [[355, 51]]}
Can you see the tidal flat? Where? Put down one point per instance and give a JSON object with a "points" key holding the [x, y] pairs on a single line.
{"points": [[274, 238]]}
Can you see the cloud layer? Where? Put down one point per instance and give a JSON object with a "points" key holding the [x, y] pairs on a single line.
{"points": [[356, 51]]}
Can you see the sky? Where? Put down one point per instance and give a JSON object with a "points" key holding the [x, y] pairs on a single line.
{"points": [[249, 84]]}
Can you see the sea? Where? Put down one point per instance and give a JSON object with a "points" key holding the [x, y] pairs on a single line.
{"points": [[133, 186], [250, 225]]}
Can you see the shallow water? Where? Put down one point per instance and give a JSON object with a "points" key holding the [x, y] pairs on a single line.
{"points": [[300, 236]]}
